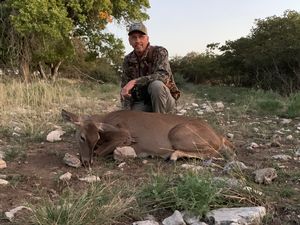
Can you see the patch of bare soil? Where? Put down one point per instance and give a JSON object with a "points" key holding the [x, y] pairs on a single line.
{"points": [[36, 176]]}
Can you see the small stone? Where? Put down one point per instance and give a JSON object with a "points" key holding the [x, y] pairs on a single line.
{"points": [[10, 214], [286, 121], [121, 165], [90, 179], [71, 160], [230, 135], [265, 175], [195, 104], [175, 218], [2, 164], [3, 182], [282, 157], [235, 166], [3, 176], [192, 167], [255, 129], [289, 137], [55, 135], [254, 145], [125, 152], [146, 222], [219, 106], [65, 177], [243, 215]]}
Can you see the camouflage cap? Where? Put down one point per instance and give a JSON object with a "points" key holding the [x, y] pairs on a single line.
{"points": [[137, 27]]}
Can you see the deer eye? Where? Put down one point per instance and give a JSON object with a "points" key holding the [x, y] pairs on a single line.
{"points": [[82, 138]]}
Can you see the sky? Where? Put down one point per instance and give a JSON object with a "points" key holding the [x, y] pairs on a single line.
{"points": [[188, 26]]}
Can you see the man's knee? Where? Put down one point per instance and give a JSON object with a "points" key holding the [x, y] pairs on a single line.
{"points": [[156, 86]]}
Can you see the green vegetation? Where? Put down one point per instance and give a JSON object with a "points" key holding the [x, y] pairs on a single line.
{"points": [[267, 58], [96, 205]]}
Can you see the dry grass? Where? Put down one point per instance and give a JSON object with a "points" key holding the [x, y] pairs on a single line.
{"points": [[30, 110]]}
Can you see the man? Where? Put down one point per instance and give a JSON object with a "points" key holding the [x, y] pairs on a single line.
{"points": [[147, 83]]}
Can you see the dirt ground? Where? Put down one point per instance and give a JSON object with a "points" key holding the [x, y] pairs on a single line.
{"points": [[35, 175]]}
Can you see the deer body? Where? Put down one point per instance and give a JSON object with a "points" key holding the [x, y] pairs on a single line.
{"points": [[155, 134]]}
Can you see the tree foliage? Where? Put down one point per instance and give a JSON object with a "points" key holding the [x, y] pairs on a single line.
{"points": [[269, 57], [37, 33]]}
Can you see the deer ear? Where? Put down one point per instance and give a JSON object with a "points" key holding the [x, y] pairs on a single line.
{"points": [[70, 117], [105, 127]]}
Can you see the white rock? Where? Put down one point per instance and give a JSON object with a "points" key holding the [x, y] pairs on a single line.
{"points": [[125, 152], [55, 135], [146, 222], [3, 176], [17, 129], [90, 179], [2, 164], [254, 145], [289, 137], [200, 112], [175, 219], [265, 175], [230, 135], [10, 214], [255, 129], [219, 106], [235, 165], [65, 177], [191, 219], [121, 165], [192, 167], [285, 121], [243, 215], [3, 182], [282, 157], [195, 104], [71, 160]]}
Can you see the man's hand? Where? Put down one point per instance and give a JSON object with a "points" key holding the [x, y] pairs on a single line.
{"points": [[126, 90]]}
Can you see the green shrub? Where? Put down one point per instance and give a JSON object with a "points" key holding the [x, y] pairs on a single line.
{"points": [[190, 192], [270, 106], [293, 109]]}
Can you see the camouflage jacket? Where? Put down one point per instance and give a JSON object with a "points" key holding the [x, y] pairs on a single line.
{"points": [[153, 65]]}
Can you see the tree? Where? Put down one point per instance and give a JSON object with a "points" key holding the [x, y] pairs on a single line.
{"points": [[43, 30], [269, 57]]}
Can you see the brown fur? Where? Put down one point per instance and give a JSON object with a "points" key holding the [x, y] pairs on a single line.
{"points": [[164, 135]]}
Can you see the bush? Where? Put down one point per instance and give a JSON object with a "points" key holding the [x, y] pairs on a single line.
{"points": [[293, 109], [190, 192]]}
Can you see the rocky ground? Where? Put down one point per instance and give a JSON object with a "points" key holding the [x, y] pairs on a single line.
{"points": [[261, 142]]}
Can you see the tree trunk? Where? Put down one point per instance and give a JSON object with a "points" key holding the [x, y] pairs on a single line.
{"points": [[25, 59], [54, 70], [42, 71]]}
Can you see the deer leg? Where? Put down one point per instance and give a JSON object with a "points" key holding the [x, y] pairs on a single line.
{"points": [[107, 148], [198, 154]]}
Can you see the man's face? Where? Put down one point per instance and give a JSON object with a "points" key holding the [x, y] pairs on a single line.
{"points": [[138, 41]]}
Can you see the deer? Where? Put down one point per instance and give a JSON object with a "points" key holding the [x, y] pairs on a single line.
{"points": [[150, 134]]}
